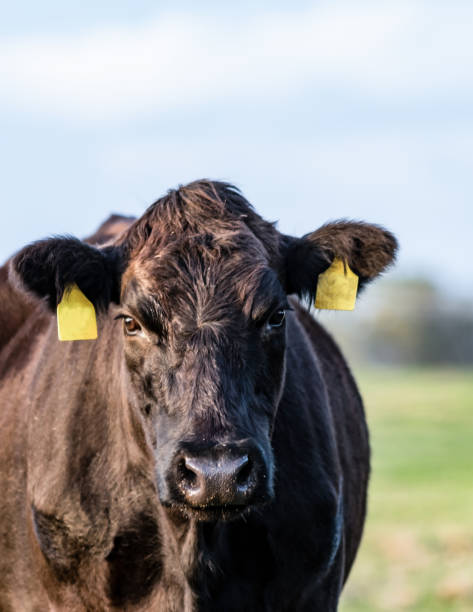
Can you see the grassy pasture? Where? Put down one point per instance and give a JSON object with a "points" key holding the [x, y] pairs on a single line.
{"points": [[417, 552]]}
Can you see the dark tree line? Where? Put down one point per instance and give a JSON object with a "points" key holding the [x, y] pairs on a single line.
{"points": [[407, 322]]}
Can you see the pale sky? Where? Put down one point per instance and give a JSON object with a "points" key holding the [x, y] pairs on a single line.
{"points": [[316, 110]]}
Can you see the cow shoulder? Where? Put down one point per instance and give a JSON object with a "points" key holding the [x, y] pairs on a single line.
{"points": [[350, 426], [110, 229], [15, 309]]}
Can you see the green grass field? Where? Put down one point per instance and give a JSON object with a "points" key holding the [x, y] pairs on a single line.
{"points": [[417, 551]]}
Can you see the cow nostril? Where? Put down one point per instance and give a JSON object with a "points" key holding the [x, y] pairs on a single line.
{"points": [[187, 476], [217, 478], [244, 472]]}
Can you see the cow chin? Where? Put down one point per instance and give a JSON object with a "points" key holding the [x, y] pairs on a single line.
{"points": [[213, 514]]}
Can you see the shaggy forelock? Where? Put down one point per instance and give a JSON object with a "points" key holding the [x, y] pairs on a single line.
{"points": [[205, 210], [200, 250]]}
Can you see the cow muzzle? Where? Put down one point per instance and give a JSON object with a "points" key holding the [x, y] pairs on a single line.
{"points": [[225, 478]]}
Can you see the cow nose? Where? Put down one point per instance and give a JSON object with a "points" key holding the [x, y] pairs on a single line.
{"points": [[217, 481]]}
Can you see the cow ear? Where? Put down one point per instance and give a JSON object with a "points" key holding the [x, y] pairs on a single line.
{"points": [[45, 268], [368, 250]]}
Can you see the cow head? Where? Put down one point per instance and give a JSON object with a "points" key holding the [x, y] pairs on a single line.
{"points": [[201, 284]]}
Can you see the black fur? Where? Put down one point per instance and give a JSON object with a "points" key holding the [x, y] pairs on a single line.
{"points": [[48, 267], [368, 249]]}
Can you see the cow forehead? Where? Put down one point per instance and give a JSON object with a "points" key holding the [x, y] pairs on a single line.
{"points": [[206, 275]]}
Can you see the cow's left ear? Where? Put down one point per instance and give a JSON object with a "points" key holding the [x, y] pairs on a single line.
{"points": [[368, 250], [45, 268]]}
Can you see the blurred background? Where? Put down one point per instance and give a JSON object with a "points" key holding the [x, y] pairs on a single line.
{"points": [[317, 111]]}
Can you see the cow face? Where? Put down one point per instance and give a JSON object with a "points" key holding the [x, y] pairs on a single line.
{"points": [[201, 285], [204, 325], [204, 349]]}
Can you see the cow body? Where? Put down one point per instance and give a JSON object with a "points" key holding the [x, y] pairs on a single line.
{"points": [[89, 519]]}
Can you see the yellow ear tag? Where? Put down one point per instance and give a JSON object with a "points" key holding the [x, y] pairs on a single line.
{"points": [[76, 316], [337, 287]]}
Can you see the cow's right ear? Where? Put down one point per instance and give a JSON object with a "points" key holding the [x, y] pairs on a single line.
{"points": [[45, 268]]}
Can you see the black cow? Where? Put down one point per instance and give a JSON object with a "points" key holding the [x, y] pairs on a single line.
{"points": [[209, 450]]}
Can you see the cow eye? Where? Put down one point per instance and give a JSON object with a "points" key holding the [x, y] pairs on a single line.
{"points": [[277, 319], [131, 326]]}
